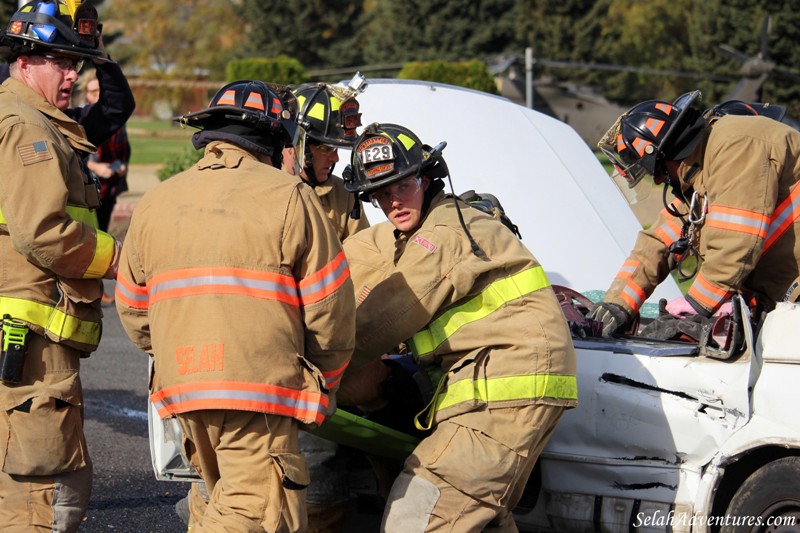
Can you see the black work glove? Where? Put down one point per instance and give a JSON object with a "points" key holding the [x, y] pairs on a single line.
{"points": [[691, 328], [613, 317]]}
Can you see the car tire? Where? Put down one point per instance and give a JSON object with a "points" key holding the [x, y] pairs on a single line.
{"points": [[771, 491]]}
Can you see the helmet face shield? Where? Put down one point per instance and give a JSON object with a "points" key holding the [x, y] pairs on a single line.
{"points": [[626, 161], [299, 144], [632, 171]]}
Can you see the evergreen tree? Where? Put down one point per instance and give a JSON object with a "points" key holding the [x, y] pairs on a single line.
{"points": [[318, 33], [447, 30]]}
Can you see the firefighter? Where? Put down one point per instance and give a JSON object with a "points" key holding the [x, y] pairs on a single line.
{"points": [[330, 115], [53, 258], [247, 312], [734, 177], [473, 306]]}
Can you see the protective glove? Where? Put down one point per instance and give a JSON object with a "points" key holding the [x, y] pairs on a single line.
{"points": [[688, 327], [613, 317]]}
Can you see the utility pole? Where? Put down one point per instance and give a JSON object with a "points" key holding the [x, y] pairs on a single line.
{"points": [[529, 77]]}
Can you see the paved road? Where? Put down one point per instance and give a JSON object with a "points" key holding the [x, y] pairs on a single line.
{"points": [[126, 496]]}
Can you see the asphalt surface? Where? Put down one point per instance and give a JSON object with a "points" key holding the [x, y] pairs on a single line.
{"points": [[126, 495]]}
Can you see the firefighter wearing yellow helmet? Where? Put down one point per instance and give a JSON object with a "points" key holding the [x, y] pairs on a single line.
{"points": [[330, 115]]}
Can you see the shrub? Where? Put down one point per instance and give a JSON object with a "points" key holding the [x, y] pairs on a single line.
{"points": [[282, 69], [472, 74], [178, 163]]}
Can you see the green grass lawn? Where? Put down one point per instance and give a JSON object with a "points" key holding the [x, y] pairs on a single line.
{"points": [[155, 141]]}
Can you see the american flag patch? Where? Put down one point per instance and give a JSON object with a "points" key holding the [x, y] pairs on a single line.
{"points": [[363, 296], [34, 152]]}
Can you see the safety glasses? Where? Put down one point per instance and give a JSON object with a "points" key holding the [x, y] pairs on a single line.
{"points": [[403, 191], [64, 63], [325, 149]]}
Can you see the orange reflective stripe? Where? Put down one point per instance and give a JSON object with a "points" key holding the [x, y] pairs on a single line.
{"points": [[324, 282], [254, 100], [708, 294], [223, 280], [654, 125], [242, 396], [628, 268], [633, 295], [666, 108], [332, 377], [620, 143], [784, 216], [276, 107], [639, 145], [739, 220], [229, 98], [668, 232], [131, 294]]}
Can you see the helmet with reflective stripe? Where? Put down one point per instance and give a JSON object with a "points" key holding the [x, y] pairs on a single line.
{"points": [[329, 114], [52, 26], [652, 132], [386, 153], [248, 113], [737, 107]]}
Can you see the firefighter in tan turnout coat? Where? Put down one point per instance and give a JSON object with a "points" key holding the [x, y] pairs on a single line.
{"points": [[475, 307], [737, 206], [52, 259], [234, 281]]}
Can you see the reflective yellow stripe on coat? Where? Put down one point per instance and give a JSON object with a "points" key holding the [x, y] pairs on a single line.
{"points": [[52, 320], [492, 298], [81, 214], [509, 388], [104, 250]]}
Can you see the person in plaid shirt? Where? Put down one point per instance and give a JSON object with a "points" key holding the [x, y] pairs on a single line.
{"points": [[110, 163]]}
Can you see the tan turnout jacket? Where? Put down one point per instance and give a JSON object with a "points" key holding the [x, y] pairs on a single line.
{"points": [[233, 279], [750, 238], [52, 255], [493, 324], [338, 203]]}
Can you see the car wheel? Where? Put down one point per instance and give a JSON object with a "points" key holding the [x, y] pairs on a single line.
{"points": [[768, 501]]}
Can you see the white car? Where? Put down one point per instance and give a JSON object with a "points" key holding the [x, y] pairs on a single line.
{"points": [[665, 438]]}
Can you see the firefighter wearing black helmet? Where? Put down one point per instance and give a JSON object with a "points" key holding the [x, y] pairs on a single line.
{"points": [[247, 310], [53, 258], [475, 308], [734, 175], [330, 114]]}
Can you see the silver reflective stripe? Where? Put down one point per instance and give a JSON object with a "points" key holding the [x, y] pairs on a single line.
{"points": [[231, 281], [324, 282]]}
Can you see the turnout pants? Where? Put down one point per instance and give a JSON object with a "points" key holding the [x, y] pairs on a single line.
{"points": [[45, 471], [470, 472], [252, 468]]}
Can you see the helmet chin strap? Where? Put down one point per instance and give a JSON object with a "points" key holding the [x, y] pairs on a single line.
{"points": [[311, 175]]}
